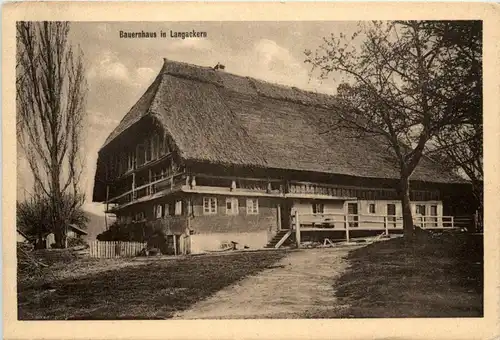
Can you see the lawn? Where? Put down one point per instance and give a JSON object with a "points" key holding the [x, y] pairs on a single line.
{"points": [[438, 276], [128, 289]]}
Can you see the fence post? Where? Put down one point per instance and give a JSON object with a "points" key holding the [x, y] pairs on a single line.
{"points": [[452, 222], [346, 224], [297, 228], [386, 226]]}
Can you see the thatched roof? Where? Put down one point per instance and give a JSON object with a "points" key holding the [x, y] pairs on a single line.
{"points": [[222, 118]]}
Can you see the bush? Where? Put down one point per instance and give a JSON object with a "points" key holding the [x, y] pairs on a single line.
{"points": [[76, 241]]}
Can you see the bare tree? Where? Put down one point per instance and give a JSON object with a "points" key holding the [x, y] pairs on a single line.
{"points": [[405, 84], [51, 93], [462, 145]]}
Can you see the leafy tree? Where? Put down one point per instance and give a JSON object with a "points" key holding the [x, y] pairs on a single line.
{"points": [[407, 83], [50, 98]]}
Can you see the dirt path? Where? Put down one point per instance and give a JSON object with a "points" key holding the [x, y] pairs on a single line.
{"points": [[299, 285]]}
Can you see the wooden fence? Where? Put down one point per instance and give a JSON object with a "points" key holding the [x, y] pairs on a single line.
{"points": [[113, 249]]}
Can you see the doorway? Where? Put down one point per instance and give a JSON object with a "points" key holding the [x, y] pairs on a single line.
{"points": [[391, 215], [286, 214], [352, 212]]}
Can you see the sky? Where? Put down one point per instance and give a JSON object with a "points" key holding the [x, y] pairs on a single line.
{"points": [[119, 70]]}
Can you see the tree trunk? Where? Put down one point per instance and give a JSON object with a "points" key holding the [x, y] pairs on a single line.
{"points": [[405, 203], [58, 223]]}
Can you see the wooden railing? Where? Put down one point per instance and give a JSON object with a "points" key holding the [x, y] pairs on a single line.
{"points": [[148, 188], [351, 222], [371, 221]]}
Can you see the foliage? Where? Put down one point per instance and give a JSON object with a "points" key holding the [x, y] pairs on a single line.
{"points": [[76, 241], [407, 83], [33, 217], [133, 232], [50, 97]]}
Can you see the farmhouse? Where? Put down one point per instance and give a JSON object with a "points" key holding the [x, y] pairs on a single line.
{"points": [[210, 157]]}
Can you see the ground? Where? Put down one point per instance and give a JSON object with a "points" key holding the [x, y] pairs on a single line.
{"points": [[437, 276], [300, 284], [129, 288]]}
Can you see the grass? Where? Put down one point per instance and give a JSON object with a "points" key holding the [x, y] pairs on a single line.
{"points": [[437, 276], [126, 289]]}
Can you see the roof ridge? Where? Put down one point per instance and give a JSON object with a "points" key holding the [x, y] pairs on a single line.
{"points": [[313, 98]]}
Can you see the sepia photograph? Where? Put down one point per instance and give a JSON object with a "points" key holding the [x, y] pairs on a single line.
{"points": [[193, 170]]}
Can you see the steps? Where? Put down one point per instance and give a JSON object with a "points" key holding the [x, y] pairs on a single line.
{"points": [[277, 238]]}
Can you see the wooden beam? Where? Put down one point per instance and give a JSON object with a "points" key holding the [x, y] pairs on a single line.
{"points": [[133, 185], [297, 228], [107, 207], [283, 239], [278, 215], [346, 223]]}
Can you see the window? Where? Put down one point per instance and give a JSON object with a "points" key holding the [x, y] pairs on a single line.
{"points": [[166, 211], [155, 146], [209, 205], [420, 209], [166, 147], [318, 208], [371, 208], [252, 206], [140, 155], [178, 207], [232, 206], [161, 145], [159, 211], [148, 145], [130, 160]]}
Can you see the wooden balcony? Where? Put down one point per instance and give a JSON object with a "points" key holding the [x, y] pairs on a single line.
{"points": [[149, 191]]}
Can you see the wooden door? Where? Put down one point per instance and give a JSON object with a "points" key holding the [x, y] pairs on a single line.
{"points": [[286, 214], [391, 215], [352, 212]]}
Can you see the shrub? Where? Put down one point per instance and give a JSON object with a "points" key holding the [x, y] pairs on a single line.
{"points": [[76, 241]]}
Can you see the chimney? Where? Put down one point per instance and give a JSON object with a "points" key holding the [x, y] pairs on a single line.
{"points": [[219, 66]]}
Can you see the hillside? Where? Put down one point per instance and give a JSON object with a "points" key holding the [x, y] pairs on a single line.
{"points": [[96, 225]]}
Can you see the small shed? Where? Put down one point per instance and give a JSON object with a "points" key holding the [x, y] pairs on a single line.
{"points": [[73, 232]]}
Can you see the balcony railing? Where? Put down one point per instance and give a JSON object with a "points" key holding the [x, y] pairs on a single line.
{"points": [[341, 221], [163, 184]]}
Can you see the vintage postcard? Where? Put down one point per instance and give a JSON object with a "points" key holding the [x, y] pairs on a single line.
{"points": [[232, 170]]}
